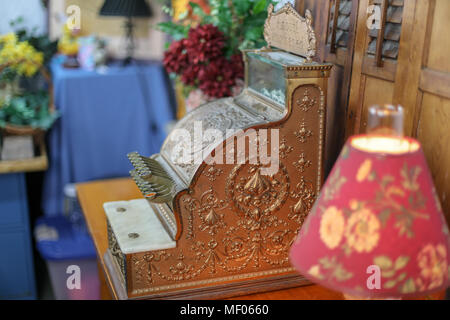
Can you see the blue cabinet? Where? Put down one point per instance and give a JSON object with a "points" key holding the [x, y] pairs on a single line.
{"points": [[16, 257]]}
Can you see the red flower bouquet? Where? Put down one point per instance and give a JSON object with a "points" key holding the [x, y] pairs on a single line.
{"points": [[206, 58], [200, 62]]}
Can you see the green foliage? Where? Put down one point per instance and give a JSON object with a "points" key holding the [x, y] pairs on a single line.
{"points": [[41, 43], [29, 109], [242, 22], [176, 31], [7, 74]]}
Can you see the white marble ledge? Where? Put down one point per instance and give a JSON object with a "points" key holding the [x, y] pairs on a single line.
{"points": [[136, 217]]}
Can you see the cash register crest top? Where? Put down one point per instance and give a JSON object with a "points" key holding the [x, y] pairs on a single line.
{"points": [[286, 29]]}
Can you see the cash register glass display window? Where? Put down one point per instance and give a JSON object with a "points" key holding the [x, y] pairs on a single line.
{"points": [[266, 74]]}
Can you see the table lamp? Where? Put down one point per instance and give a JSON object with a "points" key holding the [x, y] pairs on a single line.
{"points": [[128, 9], [377, 229]]}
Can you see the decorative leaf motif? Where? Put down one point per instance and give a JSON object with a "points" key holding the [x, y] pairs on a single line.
{"points": [[390, 284], [401, 262], [387, 179], [404, 224], [388, 273], [408, 287], [395, 191], [326, 263], [336, 270], [384, 216], [383, 262], [401, 276], [341, 274], [410, 177]]}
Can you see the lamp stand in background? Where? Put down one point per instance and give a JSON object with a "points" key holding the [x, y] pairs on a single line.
{"points": [[129, 9], [129, 33]]}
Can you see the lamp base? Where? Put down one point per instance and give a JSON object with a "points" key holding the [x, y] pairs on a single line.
{"points": [[129, 35], [127, 61], [71, 62]]}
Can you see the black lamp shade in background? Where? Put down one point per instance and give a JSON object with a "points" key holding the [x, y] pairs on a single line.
{"points": [[126, 8], [129, 9]]}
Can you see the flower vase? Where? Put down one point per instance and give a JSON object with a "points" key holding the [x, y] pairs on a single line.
{"points": [[71, 62]]}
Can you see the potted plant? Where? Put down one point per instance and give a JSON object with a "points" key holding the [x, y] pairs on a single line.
{"points": [[205, 55], [68, 46], [25, 87]]}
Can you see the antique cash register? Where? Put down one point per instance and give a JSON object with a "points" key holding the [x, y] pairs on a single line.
{"points": [[228, 192]]}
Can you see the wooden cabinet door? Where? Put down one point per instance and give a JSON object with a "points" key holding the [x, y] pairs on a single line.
{"points": [[413, 71], [335, 43], [429, 88], [373, 83]]}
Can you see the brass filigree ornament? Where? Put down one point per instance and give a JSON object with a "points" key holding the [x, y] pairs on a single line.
{"points": [[190, 205], [115, 250], [303, 134], [302, 163], [208, 212], [212, 173], [305, 196], [285, 149], [256, 195], [222, 116], [148, 265], [306, 103]]}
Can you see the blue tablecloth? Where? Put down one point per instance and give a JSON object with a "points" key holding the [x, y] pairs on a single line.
{"points": [[104, 116]]}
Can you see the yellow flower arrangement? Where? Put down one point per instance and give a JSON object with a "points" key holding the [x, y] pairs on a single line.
{"points": [[68, 44], [19, 56], [332, 225], [179, 8], [8, 38]]}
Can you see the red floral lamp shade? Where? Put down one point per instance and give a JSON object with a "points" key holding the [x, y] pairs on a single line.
{"points": [[377, 214]]}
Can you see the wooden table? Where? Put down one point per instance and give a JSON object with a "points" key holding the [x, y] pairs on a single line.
{"points": [[92, 195]]}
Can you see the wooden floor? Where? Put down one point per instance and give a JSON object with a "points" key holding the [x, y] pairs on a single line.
{"points": [[92, 195]]}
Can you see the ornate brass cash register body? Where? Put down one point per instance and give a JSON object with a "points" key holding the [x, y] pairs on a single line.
{"points": [[222, 225]]}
